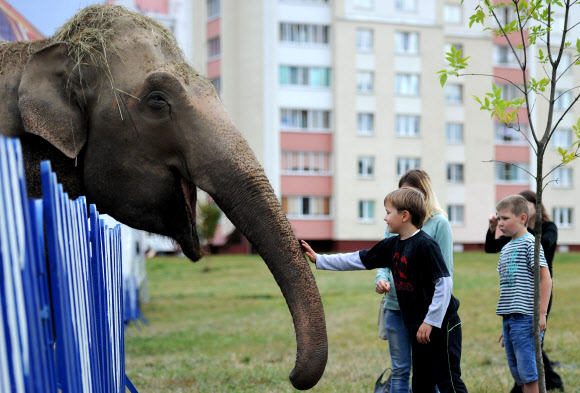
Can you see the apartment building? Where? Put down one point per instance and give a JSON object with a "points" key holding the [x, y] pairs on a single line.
{"points": [[338, 98], [176, 15]]}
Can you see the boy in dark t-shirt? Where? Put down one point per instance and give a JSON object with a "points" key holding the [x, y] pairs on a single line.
{"points": [[423, 285]]}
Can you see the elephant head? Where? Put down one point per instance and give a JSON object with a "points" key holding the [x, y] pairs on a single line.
{"points": [[140, 130]]}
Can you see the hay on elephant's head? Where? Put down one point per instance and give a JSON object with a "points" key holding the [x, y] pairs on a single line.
{"points": [[89, 36]]}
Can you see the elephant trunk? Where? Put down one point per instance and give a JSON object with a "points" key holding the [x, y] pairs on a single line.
{"points": [[227, 169], [257, 213], [237, 183]]}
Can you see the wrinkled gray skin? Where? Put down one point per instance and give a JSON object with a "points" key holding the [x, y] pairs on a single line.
{"points": [[138, 152]]}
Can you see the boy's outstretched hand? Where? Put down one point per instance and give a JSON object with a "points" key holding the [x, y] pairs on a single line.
{"points": [[309, 251]]}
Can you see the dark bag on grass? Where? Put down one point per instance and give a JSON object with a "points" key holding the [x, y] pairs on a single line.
{"points": [[383, 384]]}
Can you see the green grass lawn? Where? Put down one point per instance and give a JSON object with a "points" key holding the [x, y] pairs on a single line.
{"points": [[229, 329]]}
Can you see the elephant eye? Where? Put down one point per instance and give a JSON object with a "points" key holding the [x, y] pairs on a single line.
{"points": [[158, 104], [157, 101]]}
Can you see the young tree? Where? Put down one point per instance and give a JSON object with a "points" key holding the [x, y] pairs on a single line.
{"points": [[208, 220], [537, 33]]}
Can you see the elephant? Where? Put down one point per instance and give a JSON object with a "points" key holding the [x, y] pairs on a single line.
{"points": [[126, 121]]}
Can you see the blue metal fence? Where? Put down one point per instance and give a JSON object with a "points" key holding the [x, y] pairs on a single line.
{"points": [[61, 321]]}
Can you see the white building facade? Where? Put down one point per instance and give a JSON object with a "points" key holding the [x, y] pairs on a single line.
{"points": [[339, 97]]}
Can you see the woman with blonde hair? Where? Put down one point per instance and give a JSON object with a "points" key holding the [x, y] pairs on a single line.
{"points": [[437, 226]]}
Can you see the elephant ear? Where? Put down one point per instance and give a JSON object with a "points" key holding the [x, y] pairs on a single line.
{"points": [[48, 107]]}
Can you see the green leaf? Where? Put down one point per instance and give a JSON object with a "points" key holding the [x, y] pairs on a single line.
{"points": [[443, 79]]}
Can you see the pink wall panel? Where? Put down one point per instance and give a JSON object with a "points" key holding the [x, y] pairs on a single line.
{"points": [[303, 141], [213, 28], [312, 229], [515, 38], [502, 191], [512, 74], [155, 6], [307, 185], [214, 69], [512, 153]]}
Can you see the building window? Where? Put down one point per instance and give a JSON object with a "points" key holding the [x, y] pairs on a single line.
{"points": [[455, 173], [503, 56], [505, 15], [304, 33], [509, 135], [562, 137], [405, 163], [217, 84], [510, 173], [509, 92], [213, 47], [304, 76], [364, 3], [454, 132], [452, 14], [407, 84], [365, 123], [406, 43], [306, 206], [364, 82], [563, 217], [366, 211], [455, 214], [562, 177], [304, 120], [364, 40], [458, 47], [563, 100], [406, 5], [453, 93], [366, 167], [407, 125], [213, 9], [302, 162]]}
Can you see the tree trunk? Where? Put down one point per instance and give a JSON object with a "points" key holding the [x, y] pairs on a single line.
{"points": [[538, 236]]}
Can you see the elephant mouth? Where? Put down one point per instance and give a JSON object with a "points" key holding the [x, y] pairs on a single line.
{"points": [[190, 246], [190, 196]]}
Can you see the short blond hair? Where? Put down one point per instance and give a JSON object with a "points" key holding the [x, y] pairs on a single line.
{"points": [[515, 204], [410, 199]]}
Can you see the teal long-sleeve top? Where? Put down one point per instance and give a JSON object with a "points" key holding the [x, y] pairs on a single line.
{"points": [[437, 226]]}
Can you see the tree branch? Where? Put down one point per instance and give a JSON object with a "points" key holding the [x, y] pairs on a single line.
{"points": [[560, 165], [495, 76], [565, 112], [572, 27], [567, 68], [511, 163], [504, 33]]}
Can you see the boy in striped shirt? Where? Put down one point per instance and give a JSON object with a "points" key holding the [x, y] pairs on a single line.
{"points": [[516, 291]]}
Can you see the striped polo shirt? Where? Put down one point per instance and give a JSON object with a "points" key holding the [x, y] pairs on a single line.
{"points": [[516, 276]]}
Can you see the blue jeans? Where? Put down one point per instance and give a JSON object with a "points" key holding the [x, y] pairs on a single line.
{"points": [[400, 350], [518, 340]]}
